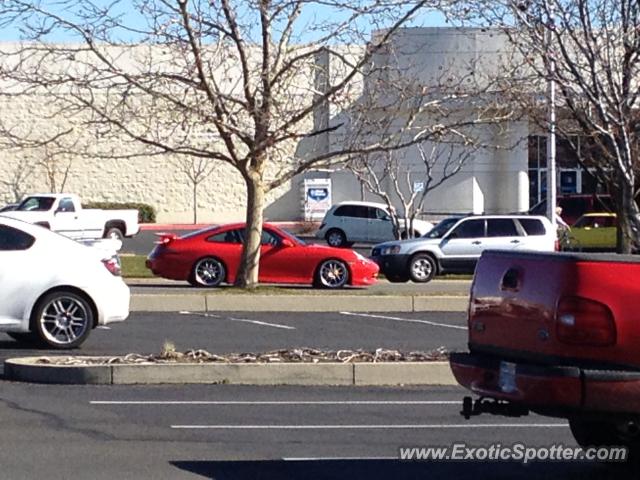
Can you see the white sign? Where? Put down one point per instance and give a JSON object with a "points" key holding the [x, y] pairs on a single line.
{"points": [[317, 198], [418, 187]]}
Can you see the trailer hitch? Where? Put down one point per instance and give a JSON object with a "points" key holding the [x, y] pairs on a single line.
{"points": [[471, 408]]}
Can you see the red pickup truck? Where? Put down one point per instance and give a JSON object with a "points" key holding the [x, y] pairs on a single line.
{"points": [[557, 334]]}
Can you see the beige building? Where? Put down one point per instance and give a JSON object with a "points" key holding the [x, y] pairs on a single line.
{"points": [[492, 179]]}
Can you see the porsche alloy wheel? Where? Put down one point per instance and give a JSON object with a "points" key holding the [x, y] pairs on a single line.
{"points": [[208, 272], [332, 274], [63, 320]]}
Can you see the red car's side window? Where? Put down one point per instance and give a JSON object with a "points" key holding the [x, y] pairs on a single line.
{"points": [[230, 236]]}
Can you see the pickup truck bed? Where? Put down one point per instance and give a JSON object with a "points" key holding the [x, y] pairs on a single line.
{"points": [[557, 334]]}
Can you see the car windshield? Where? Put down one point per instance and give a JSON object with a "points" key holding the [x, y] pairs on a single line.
{"points": [[36, 204], [295, 239], [440, 229]]}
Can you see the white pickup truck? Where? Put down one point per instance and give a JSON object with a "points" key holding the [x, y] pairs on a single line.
{"points": [[63, 213]]}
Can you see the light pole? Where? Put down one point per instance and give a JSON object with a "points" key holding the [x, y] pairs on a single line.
{"points": [[551, 139]]}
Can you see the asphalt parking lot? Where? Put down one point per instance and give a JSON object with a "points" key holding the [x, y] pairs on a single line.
{"points": [[229, 432], [254, 332]]}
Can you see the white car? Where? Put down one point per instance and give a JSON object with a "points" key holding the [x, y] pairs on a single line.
{"points": [[54, 290], [349, 222]]}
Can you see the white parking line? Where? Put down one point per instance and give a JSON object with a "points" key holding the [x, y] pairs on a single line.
{"points": [[243, 320], [369, 427], [275, 402], [409, 320]]}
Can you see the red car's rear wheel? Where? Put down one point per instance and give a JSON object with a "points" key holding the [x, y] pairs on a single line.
{"points": [[207, 272]]}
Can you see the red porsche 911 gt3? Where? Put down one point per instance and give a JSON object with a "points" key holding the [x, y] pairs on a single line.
{"points": [[209, 257]]}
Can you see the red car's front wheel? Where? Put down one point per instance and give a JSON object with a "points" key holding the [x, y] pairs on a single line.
{"points": [[332, 274]]}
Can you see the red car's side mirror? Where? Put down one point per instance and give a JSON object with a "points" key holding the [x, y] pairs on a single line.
{"points": [[286, 242]]}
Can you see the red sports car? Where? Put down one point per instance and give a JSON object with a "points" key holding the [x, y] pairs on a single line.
{"points": [[209, 257]]}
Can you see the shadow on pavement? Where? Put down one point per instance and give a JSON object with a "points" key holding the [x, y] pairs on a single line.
{"points": [[400, 470]]}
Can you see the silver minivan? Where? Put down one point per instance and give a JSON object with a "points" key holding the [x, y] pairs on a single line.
{"points": [[349, 222]]}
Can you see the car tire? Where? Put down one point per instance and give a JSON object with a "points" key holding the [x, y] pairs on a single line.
{"points": [[207, 272], [331, 274], [336, 238], [114, 233], [602, 433], [422, 268], [397, 278], [62, 320]]}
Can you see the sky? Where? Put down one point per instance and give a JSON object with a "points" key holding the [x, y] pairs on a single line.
{"points": [[134, 19]]}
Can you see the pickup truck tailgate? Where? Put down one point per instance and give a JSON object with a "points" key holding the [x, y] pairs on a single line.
{"points": [[560, 309]]}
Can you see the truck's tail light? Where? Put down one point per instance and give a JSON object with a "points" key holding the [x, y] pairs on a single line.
{"points": [[113, 265], [557, 245], [582, 321]]}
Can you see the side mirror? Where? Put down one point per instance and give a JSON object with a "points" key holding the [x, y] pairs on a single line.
{"points": [[286, 243]]}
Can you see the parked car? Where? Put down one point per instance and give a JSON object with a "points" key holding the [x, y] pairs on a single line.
{"points": [[8, 207], [575, 205], [592, 232], [63, 213], [349, 222], [556, 335], [456, 243], [210, 257], [55, 290]]}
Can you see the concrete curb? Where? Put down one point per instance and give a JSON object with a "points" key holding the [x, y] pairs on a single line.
{"points": [[297, 303], [354, 374]]}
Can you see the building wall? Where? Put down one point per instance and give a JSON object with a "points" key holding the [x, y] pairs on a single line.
{"points": [[492, 181]]}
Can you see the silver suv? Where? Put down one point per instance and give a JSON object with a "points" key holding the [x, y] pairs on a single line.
{"points": [[456, 243]]}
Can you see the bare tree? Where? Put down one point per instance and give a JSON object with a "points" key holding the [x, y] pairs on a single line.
{"points": [[591, 51], [243, 69], [57, 167], [449, 111], [197, 170], [18, 179], [32, 152], [390, 176]]}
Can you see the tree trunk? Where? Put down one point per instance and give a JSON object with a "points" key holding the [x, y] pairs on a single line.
{"points": [[250, 260]]}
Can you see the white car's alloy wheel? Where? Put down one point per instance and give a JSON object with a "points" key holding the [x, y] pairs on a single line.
{"points": [[64, 320]]}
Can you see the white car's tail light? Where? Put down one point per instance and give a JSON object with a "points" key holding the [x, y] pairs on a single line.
{"points": [[113, 265]]}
